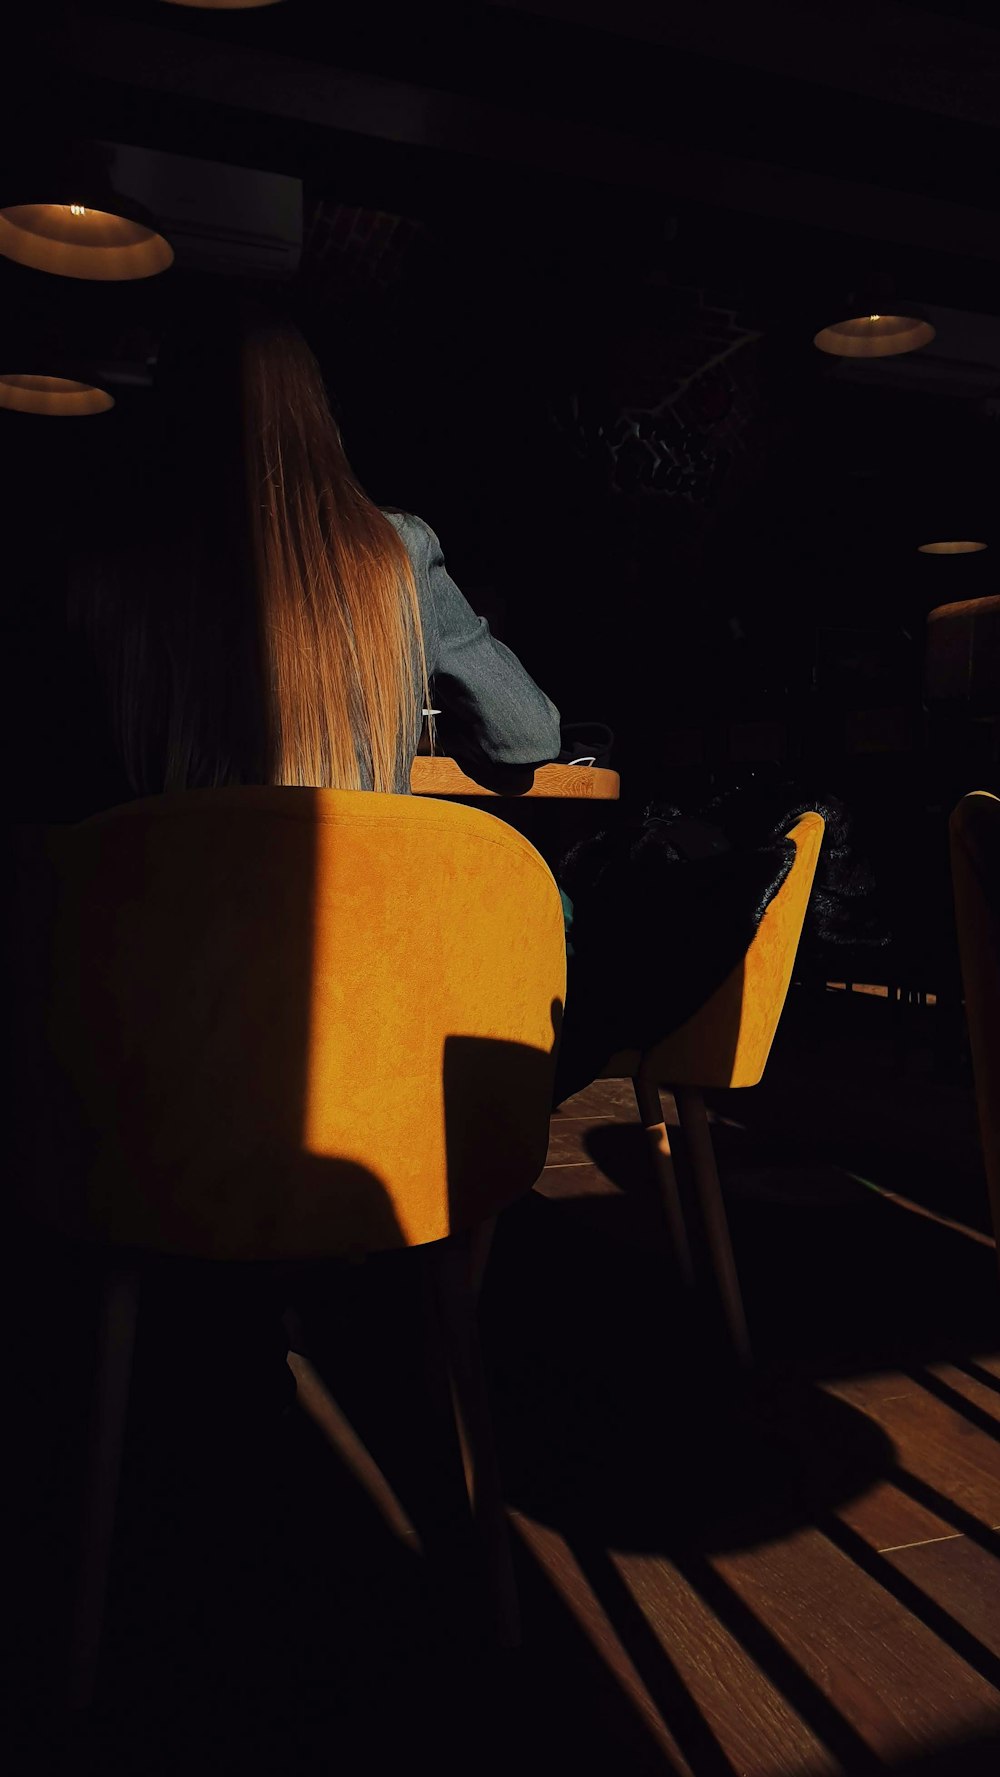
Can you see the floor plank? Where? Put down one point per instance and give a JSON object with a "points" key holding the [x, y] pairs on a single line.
{"points": [[962, 1578], [550, 1550], [888, 1518], [575, 1178], [749, 1724], [892, 1684], [568, 1140], [939, 1454], [603, 1098], [788, 1575], [975, 1385]]}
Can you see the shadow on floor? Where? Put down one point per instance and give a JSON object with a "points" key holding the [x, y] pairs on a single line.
{"points": [[263, 1617]]}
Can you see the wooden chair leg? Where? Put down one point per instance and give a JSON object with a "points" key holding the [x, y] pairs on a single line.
{"points": [[480, 1247], [316, 1400], [453, 1270], [116, 1340], [647, 1098], [697, 1135]]}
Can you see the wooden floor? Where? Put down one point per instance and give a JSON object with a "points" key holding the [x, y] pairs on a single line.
{"points": [[795, 1574]]}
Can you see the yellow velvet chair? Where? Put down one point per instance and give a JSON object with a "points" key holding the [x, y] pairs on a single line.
{"points": [[285, 1024], [975, 865], [725, 1043]]}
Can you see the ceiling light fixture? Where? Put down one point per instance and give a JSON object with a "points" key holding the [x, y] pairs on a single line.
{"points": [[874, 336], [85, 240], [95, 231], [956, 547], [52, 396]]}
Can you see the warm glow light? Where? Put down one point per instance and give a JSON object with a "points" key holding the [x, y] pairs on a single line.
{"points": [[874, 336], [76, 242], [55, 396], [951, 548]]}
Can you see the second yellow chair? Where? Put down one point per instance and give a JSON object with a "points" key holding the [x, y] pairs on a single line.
{"points": [[725, 1043]]}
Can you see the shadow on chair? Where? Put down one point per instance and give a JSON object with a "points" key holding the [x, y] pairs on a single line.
{"points": [[253, 1034]]}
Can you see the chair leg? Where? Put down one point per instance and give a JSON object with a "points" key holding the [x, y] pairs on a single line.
{"points": [[316, 1400], [698, 1142], [109, 1407], [480, 1247], [647, 1098], [453, 1270]]}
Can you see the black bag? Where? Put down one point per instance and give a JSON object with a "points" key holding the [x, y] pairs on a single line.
{"points": [[586, 743], [665, 907]]}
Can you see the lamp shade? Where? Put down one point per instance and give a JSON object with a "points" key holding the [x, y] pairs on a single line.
{"points": [[96, 235], [56, 397], [874, 336], [955, 546]]}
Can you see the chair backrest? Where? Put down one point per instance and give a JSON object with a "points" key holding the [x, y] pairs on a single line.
{"points": [[728, 1040], [282, 1023], [975, 865]]}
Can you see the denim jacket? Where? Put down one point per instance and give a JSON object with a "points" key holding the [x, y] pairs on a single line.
{"points": [[481, 688]]}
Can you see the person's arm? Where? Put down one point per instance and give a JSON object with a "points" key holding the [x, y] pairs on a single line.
{"points": [[491, 706]]}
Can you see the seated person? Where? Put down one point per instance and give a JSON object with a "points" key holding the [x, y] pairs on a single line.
{"points": [[283, 629], [259, 620]]}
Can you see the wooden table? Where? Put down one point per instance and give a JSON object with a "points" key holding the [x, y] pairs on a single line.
{"points": [[554, 806], [444, 777]]}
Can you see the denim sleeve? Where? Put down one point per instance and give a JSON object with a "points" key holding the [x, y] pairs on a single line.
{"points": [[478, 683]]}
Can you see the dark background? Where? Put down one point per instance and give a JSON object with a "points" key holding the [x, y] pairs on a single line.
{"points": [[563, 265]]}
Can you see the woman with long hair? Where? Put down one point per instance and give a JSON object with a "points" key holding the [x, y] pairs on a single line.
{"points": [[260, 620], [253, 618]]}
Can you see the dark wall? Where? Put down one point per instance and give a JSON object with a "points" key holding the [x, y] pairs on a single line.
{"points": [[693, 524], [690, 528]]}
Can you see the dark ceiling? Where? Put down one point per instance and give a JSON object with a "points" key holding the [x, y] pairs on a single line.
{"points": [[865, 131], [615, 226], [564, 174]]}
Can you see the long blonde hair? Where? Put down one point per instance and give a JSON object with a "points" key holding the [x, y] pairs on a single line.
{"points": [[260, 623]]}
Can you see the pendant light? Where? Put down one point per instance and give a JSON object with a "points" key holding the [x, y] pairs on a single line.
{"points": [[874, 336], [84, 240], [950, 501], [952, 547], [55, 397], [83, 227], [869, 321]]}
